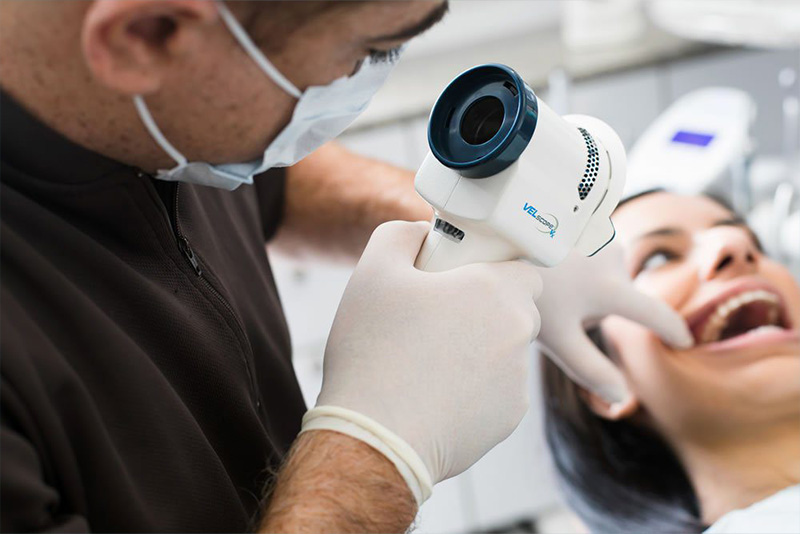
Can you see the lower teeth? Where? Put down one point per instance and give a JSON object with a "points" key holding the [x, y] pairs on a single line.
{"points": [[765, 328]]}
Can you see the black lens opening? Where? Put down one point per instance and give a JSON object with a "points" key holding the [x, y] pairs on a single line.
{"points": [[482, 120]]}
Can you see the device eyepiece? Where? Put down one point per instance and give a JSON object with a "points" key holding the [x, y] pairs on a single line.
{"points": [[483, 121]]}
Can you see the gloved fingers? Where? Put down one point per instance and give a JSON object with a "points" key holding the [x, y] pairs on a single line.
{"points": [[653, 314], [524, 275], [397, 241], [585, 365], [536, 317]]}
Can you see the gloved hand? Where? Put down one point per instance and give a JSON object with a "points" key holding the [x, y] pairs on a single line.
{"points": [[429, 368], [581, 291]]}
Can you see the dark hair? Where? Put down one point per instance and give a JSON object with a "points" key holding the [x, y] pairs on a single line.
{"points": [[618, 476], [282, 18]]}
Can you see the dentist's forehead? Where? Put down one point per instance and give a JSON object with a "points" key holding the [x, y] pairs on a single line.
{"points": [[272, 23]]}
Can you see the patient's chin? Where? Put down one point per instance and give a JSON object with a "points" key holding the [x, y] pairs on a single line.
{"points": [[772, 381], [762, 393]]}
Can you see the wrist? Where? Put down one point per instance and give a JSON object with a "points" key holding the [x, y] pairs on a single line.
{"points": [[404, 458], [332, 482]]}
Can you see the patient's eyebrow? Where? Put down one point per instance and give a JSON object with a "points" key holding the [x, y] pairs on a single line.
{"points": [[739, 221], [661, 232], [731, 221], [669, 231]]}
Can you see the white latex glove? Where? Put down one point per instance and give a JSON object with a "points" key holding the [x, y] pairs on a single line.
{"points": [[581, 291], [431, 369]]}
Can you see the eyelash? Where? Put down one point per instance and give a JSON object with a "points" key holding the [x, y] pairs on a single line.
{"points": [[385, 56], [668, 255]]}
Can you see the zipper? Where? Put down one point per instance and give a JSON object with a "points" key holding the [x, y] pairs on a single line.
{"points": [[189, 254], [194, 260], [183, 242]]}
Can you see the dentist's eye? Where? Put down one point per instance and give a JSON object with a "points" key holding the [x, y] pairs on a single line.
{"points": [[385, 56], [656, 259]]}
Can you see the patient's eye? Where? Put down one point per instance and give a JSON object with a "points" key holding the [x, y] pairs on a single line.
{"points": [[656, 259]]}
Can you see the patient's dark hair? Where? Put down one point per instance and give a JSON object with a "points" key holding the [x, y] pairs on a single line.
{"points": [[618, 476]]}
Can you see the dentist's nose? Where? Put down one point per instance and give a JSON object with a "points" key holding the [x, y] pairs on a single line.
{"points": [[726, 252]]}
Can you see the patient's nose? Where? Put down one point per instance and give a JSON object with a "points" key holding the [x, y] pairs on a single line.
{"points": [[726, 252]]}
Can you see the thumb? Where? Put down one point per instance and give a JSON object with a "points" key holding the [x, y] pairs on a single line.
{"points": [[585, 365], [653, 314], [397, 241]]}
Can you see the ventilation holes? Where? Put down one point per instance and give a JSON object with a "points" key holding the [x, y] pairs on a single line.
{"points": [[592, 165]]}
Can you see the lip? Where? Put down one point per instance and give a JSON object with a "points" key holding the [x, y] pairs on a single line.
{"points": [[697, 318], [753, 340]]}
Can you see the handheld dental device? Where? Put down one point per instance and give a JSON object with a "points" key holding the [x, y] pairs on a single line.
{"points": [[508, 178]]}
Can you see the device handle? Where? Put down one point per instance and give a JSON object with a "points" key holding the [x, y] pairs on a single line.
{"points": [[440, 253]]}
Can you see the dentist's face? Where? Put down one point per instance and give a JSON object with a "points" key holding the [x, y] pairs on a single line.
{"points": [[209, 97], [743, 308]]}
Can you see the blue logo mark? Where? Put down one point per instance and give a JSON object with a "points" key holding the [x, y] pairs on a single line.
{"points": [[548, 224]]}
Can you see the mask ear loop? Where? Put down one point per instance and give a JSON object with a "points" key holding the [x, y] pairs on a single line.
{"points": [[155, 132], [255, 53]]}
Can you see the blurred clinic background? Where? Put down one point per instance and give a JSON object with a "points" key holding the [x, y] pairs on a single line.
{"points": [[704, 93]]}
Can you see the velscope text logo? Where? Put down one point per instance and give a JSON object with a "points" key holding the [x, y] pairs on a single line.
{"points": [[548, 224]]}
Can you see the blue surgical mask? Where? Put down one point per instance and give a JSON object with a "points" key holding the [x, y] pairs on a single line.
{"points": [[320, 115]]}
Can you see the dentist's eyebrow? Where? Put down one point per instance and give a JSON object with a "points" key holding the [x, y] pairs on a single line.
{"points": [[422, 26]]}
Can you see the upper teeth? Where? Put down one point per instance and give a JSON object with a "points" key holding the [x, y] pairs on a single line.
{"points": [[718, 320]]}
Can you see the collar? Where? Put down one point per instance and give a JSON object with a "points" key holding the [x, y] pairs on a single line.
{"points": [[779, 513], [31, 147]]}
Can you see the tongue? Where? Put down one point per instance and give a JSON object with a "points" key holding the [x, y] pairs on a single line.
{"points": [[748, 317]]}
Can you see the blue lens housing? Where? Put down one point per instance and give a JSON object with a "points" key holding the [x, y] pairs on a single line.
{"points": [[483, 121]]}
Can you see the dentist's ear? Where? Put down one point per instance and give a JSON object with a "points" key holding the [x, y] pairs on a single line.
{"points": [[129, 45]]}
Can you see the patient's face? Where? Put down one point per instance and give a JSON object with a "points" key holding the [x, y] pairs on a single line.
{"points": [[744, 309]]}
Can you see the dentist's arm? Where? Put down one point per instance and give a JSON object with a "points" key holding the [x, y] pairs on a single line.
{"points": [[335, 483], [334, 200]]}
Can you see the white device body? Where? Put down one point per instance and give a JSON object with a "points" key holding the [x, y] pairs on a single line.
{"points": [[532, 209]]}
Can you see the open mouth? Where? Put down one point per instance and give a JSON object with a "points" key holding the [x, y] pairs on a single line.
{"points": [[739, 312]]}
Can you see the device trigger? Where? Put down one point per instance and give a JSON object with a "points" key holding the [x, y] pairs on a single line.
{"points": [[613, 235], [595, 237]]}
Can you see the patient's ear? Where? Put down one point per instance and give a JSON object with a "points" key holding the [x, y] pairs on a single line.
{"points": [[613, 412], [600, 406]]}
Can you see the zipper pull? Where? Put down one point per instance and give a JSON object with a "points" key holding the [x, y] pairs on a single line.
{"points": [[187, 251]]}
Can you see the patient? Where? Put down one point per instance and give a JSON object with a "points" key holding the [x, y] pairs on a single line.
{"points": [[712, 429]]}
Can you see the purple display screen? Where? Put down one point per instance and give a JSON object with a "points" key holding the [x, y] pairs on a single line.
{"points": [[692, 138]]}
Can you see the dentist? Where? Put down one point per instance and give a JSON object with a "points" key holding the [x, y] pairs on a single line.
{"points": [[146, 374]]}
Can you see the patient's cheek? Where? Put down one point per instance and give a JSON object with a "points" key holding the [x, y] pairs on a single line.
{"points": [[778, 275], [674, 286], [624, 332], [653, 373], [628, 341]]}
